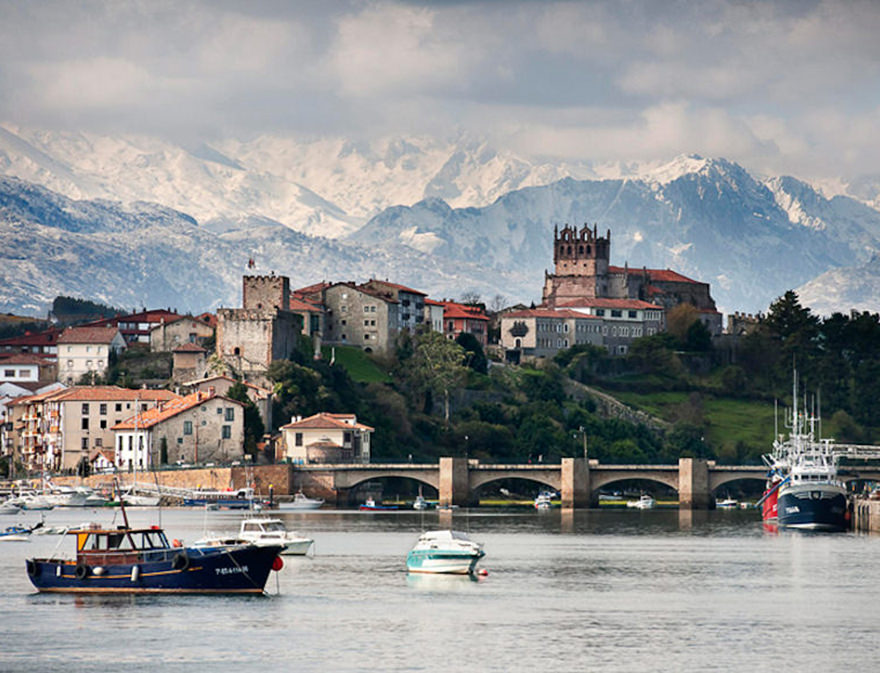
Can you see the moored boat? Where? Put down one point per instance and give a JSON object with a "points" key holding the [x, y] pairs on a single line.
{"points": [[140, 560], [726, 503], [543, 501], [243, 498], [371, 505], [644, 502], [444, 551], [268, 531], [301, 501]]}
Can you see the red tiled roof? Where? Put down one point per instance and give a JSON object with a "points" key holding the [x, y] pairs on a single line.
{"points": [[399, 288], [88, 335], [151, 316], [208, 318], [662, 275], [296, 304], [431, 302], [454, 310], [549, 313], [112, 394], [604, 302], [326, 420], [46, 338], [162, 412], [106, 454], [312, 289]]}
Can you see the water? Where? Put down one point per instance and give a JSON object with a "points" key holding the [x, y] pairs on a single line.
{"points": [[613, 590]]}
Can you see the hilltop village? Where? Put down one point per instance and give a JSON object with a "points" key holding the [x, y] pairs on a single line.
{"points": [[59, 414]]}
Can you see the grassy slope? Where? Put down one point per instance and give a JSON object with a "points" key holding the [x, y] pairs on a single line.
{"points": [[358, 364]]}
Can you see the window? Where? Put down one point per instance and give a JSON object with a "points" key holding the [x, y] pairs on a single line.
{"points": [[226, 432], [103, 409], [616, 313], [84, 423], [230, 414], [180, 440], [366, 337], [600, 311], [84, 443], [372, 323], [298, 439], [372, 309], [118, 406], [219, 410], [9, 373], [103, 424], [70, 364], [99, 441], [187, 427], [632, 314], [366, 323], [366, 309], [85, 409]]}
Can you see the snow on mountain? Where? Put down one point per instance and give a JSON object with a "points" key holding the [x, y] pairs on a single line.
{"points": [[844, 289]]}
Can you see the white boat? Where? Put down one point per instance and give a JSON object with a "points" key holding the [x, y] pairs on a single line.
{"points": [[726, 503], [645, 502], [269, 531], [301, 501], [133, 499], [543, 501], [420, 503], [444, 551], [9, 507]]}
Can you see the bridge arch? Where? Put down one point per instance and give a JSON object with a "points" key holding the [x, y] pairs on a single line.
{"points": [[600, 480], [716, 481], [354, 481], [478, 481]]}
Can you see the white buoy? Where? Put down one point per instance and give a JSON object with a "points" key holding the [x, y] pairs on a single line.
{"points": [[135, 573]]}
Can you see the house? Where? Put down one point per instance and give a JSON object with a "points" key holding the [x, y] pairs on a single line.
{"points": [[202, 427], [103, 461], [623, 320], [312, 315], [411, 314], [27, 369], [543, 332], [9, 420], [43, 343], [434, 315], [189, 361], [465, 318], [136, 327], [261, 397], [87, 351], [168, 335], [326, 438], [360, 316]]}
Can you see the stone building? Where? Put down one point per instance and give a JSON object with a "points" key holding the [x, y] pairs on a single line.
{"points": [[200, 428], [86, 350], [261, 397], [249, 339], [168, 335], [582, 271], [543, 332], [359, 316], [411, 314], [189, 361]]}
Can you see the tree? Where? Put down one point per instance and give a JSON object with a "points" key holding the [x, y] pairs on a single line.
{"points": [[474, 356], [679, 318], [436, 365], [471, 298], [253, 423]]}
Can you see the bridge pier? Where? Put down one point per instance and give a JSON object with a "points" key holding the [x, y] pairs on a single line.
{"points": [[575, 483], [454, 482], [693, 484]]}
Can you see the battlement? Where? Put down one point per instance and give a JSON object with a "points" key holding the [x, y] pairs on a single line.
{"points": [[265, 292]]}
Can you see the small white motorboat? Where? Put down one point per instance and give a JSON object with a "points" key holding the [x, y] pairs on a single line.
{"points": [[726, 503], [645, 502], [444, 551], [9, 507], [543, 501], [268, 531], [420, 503], [301, 501]]}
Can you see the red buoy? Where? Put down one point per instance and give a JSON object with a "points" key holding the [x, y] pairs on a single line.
{"points": [[277, 564], [482, 572]]}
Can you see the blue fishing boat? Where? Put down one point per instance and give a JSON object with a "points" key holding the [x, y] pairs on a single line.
{"points": [[141, 560], [371, 505]]}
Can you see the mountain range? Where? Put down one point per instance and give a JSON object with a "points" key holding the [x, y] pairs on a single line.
{"points": [[142, 222]]}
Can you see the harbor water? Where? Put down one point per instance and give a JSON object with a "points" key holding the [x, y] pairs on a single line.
{"points": [[656, 590]]}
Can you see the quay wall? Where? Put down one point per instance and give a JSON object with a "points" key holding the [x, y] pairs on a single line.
{"points": [[866, 515]]}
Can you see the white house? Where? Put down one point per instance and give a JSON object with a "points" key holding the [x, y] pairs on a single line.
{"points": [[86, 350], [326, 438]]}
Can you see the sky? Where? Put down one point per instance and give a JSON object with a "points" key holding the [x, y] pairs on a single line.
{"points": [[781, 87]]}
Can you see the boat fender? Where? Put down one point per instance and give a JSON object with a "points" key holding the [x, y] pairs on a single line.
{"points": [[135, 573], [82, 571], [180, 561], [176, 543], [33, 569], [58, 571], [277, 564], [482, 572], [98, 571]]}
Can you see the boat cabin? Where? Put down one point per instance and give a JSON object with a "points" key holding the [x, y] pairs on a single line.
{"points": [[101, 546]]}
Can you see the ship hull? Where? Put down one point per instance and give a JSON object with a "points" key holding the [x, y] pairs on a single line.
{"points": [[770, 506], [242, 570], [813, 507]]}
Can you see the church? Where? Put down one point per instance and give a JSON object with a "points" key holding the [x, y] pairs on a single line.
{"points": [[583, 273]]}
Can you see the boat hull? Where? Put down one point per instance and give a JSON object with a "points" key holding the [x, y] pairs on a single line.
{"points": [[240, 570], [813, 507], [770, 506], [442, 562]]}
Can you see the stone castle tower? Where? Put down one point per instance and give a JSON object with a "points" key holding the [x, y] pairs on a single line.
{"points": [[266, 292], [581, 260]]}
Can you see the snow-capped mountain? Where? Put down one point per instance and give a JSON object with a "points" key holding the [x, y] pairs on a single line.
{"points": [[844, 289], [445, 217]]}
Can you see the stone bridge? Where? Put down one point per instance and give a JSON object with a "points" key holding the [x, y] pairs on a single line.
{"points": [[458, 480]]}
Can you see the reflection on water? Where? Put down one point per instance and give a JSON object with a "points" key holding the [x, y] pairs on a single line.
{"points": [[654, 590]]}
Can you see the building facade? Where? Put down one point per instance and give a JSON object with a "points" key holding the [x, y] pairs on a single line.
{"points": [[86, 351], [176, 332], [465, 319], [359, 316], [326, 438]]}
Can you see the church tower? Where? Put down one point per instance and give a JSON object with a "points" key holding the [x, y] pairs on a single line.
{"points": [[581, 265]]}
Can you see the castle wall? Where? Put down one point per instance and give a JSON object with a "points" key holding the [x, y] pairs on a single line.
{"points": [[266, 292]]}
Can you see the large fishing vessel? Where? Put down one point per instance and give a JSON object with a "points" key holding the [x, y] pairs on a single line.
{"points": [[803, 488]]}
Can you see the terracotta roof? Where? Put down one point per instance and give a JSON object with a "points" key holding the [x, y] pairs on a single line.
{"points": [[605, 302], [153, 315], [208, 318], [662, 275], [163, 412], [189, 348], [88, 335], [223, 377], [46, 338], [295, 304], [431, 302], [106, 454], [328, 421], [312, 289], [111, 394], [550, 313], [399, 288], [454, 310], [177, 319]]}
